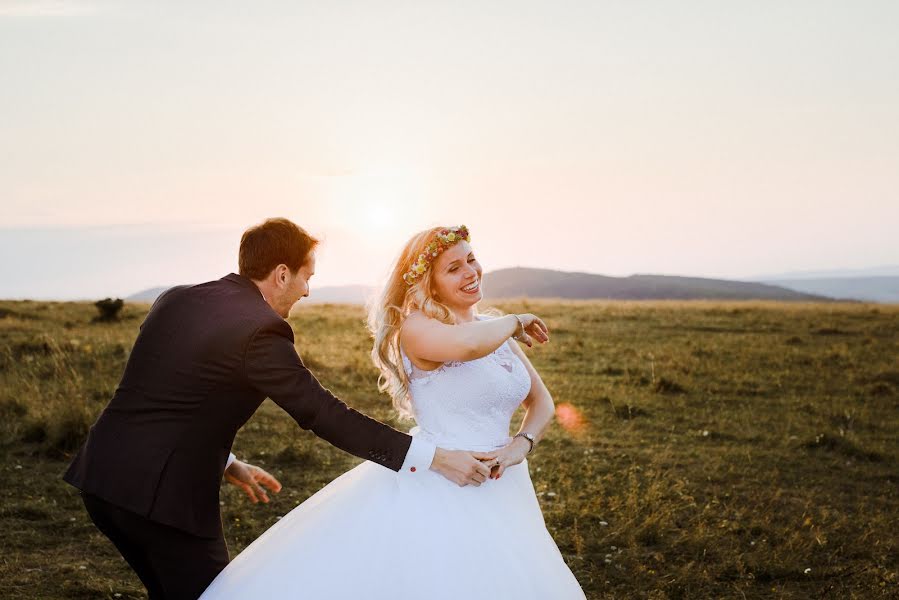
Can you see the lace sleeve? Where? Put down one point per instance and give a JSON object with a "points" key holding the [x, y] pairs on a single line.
{"points": [[407, 364]]}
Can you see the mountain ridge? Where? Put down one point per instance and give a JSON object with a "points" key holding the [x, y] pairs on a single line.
{"points": [[879, 271], [548, 283], [528, 282], [873, 289]]}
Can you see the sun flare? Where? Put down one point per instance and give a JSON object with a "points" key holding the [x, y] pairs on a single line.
{"points": [[378, 206]]}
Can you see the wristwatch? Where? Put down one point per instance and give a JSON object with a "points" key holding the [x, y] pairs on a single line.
{"points": [[529, 437]]}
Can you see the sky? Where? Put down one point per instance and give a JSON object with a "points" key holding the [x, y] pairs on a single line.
{"points": [[707, 138]]}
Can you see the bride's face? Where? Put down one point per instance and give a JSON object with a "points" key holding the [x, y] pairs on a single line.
{"points": [[456, 277]]}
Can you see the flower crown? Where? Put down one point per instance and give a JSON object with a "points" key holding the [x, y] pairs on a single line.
{"points": [[443, 240]]}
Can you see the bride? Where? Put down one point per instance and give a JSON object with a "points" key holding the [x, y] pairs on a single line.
{"points": [[373, 533]]}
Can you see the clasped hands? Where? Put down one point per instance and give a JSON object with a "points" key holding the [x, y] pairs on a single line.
{"points": [[474, 468]]}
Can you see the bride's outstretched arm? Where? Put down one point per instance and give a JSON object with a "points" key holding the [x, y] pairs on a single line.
{"points": [[540, 412], [430, 340]]}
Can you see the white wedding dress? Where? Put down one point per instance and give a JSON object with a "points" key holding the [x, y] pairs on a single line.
{"points": [[376, 534]]}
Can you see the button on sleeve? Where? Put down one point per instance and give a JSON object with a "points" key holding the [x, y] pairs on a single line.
{"points": [[419, 457]]}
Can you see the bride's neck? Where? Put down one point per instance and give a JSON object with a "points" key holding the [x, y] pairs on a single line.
{"points": [[464, 315]]}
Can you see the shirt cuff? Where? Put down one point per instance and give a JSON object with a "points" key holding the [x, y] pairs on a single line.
{"points": [[231, 459], [419, 457]]}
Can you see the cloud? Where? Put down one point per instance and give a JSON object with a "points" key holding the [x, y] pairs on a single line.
{"points": [[44, 8]]}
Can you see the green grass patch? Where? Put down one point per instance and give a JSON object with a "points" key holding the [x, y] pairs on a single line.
{"points": [[702, 449]]}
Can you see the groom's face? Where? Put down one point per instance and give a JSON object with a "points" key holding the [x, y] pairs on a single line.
{"points": [[296, 286]]}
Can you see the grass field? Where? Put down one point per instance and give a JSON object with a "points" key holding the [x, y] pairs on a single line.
{"points": [[701, 450]]}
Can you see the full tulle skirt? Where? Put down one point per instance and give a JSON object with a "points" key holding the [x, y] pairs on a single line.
{"points": [[373, 533]]}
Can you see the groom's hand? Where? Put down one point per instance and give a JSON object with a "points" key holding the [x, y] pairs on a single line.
{"points": [[250, 479], [461, 467]]}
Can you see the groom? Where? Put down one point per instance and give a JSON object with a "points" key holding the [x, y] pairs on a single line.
{"points": [[206, 357]]}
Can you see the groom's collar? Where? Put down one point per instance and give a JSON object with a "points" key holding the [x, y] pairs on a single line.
{"points": [[244, 281]]}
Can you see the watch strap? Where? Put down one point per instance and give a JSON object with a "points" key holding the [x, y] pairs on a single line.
{"points": [[528, 437]]}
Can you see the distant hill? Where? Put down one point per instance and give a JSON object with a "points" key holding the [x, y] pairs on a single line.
{"points": [[881, 271], [149, 295], [876, 289], [339, 294], [545, 283]]}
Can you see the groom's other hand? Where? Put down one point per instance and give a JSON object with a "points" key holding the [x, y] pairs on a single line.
{"points": [[250, 479], [461, 467]]}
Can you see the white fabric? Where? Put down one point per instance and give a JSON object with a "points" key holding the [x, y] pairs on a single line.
{"points": [[231, 459], [376, 534], [468, 405], [419, 456]]}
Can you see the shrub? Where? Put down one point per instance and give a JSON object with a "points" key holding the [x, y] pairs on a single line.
{"points": [[109, 309]]}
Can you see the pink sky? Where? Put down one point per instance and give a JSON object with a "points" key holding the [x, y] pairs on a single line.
{"points": [[703, 138]]}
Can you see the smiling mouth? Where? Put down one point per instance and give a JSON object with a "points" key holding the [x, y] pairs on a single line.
{"points": [[472, 287]]}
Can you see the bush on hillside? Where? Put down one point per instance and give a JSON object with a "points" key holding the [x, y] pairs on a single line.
{"points": [[109, 309]]}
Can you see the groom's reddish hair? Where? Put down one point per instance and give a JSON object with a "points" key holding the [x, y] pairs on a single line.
{"points": [[271, 243]]}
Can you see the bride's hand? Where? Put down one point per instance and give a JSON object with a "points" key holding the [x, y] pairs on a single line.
{"points": [[462, 467], [509, 455], [249, 477], [534, 328]]}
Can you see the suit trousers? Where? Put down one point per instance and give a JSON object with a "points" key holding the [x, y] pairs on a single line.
{"points": [[172, 564]]}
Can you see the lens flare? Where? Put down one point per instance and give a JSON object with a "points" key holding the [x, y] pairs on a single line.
{"points": [[570, 418]]}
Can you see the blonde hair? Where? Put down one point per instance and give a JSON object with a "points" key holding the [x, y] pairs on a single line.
{"points": [[386, 315]]}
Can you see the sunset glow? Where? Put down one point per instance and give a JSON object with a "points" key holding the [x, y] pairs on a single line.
{"points": [[610, 138], [380, 207]]}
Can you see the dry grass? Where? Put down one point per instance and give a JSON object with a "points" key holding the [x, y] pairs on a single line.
{"points": [[702, 449]]}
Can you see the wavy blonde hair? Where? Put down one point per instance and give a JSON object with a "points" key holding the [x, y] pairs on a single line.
{"points": [[386, 315]]}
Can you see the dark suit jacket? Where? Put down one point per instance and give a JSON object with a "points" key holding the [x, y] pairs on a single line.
{"points": [[206, 357]]}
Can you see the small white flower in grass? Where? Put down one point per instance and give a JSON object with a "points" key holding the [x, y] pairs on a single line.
{"points": [[705, 433], [603, 523], [551, 494], [82, 568], [807, 571]]}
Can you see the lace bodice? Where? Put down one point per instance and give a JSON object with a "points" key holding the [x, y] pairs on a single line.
{"points": [[468, 405]]}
